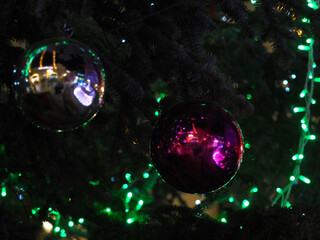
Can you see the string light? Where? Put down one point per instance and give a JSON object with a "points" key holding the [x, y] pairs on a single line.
{"points": [[224, 220], [3, 192], [305, 179], [299, 109], [303, 93], [245, 203], [128, 177], [310, 137], [70, 223], [305, 20], [130, 220], [63, 233], [254, 190], [81, 220], [139, 205], [129, 196], [303, 48], [306, 93]]}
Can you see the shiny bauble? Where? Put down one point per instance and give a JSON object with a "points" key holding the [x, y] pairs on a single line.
{"points": [[59, 84], [197, 147]]}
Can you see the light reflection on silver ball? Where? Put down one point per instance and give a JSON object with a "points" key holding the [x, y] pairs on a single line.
{"points": [[59, 84]]}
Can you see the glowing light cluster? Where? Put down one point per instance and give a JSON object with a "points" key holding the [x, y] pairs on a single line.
{"points": [[305, 136]]}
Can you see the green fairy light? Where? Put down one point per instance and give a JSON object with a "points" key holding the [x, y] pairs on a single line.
{"points": [[224, 220], [303, 93], [3, 192], [63, 233], [313, 5], [310, 137], [231, 199], [81, 220], [305, 20], [292, 178], [254, 190], [139, 205], [158, 99], [156, 113], [303, 48], [288, 204], [249, 96], [305, 179], [35, 210], [247, 145], [56, 229], [162, 95], [299, 109], [146, 175], [317, 79], [300, 156], [130, 220], [279, 190], [70, 223], [310, 75], [304, 127], [125, 186], [94, 183], [253, 1], [129, 196], [245, 203], [128, 177], [314, 65], [309, 40], [313, 101], [127, 210]]}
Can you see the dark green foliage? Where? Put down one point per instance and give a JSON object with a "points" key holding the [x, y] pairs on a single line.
{"points": [[175, 48]]}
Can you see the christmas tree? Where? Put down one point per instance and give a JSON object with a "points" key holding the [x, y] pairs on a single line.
{"points": [[96, 177]]}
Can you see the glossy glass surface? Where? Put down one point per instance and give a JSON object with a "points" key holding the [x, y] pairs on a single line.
{"points": [[59, 84], [197, 147]]}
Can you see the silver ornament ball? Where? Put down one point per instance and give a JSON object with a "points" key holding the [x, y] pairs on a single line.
{"points": [[59, 84]]}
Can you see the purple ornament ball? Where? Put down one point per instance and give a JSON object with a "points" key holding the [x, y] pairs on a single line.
{"points": [[197, 147]]}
